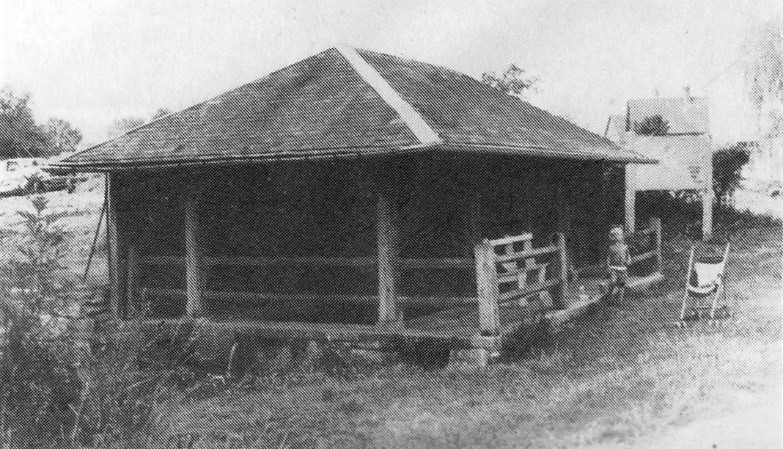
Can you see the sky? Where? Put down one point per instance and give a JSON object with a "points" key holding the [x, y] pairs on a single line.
{"points": [[91, 62]]}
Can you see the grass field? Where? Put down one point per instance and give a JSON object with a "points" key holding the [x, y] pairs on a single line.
{"points": [[621, 376]]}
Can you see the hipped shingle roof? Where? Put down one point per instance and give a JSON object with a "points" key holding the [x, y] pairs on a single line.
{"points": [[350, 102]]}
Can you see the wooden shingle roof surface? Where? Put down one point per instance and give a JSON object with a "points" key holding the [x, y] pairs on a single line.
{"points": [[350, 102]]}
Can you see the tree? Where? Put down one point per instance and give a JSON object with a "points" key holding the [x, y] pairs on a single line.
{"points": [[764, 74], [764, 67], [727, 165], [20, 136], [62, 136], [160, 113], [122, 125], [651, 126], [513, 81]]}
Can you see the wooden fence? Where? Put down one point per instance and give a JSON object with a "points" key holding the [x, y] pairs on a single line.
{"points": [[505, 272]]}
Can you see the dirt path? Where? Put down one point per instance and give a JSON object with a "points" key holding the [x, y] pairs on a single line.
{"points": [[755, 425]]}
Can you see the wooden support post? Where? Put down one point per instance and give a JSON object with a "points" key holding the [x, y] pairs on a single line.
{"points": [[630, 200], [655, 222], [487, 289], [563, 216], [113, 237], [193, 281], [388, 258], [706, 214], [563, 274], [132, 263], [707, 195]]}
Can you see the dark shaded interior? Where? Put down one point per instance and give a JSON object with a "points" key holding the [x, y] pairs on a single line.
{"points": [[327, 209]]}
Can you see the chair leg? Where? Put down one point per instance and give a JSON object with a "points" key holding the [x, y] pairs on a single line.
{"points": [[684, 306], [717, 293]]}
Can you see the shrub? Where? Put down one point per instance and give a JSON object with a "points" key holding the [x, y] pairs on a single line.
{"points": [[39, 271], [652, 126], [57, 389]]}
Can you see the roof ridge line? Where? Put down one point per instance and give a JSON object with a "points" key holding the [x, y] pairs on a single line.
{"points": [[408, 114]]}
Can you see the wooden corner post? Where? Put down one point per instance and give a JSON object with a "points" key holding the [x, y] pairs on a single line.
{"points": [[388, 257], [193, 278], [487, 288], [113, 237]]}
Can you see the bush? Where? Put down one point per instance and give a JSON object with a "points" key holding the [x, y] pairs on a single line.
{"points": [[38, 270], [652, 126], [57, 388]]}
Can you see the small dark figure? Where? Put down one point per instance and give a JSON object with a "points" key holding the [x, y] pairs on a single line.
{"points": [[617, 262]]}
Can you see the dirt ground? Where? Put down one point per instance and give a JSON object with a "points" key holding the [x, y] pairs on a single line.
{"points": [[621, 376]]}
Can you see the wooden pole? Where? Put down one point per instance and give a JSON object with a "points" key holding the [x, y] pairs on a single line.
{"points": [[193, 280], [707, 193], [388, 257], [95, 239], [563, 274], [487, 289], [706, 214], [132, 263], [112, 235], [630, 200]]}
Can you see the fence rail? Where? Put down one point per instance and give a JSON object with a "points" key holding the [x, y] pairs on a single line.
{"points": [[501, 266]]}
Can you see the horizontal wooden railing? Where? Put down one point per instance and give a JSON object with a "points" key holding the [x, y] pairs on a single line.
{"points": [[309, 261], [244, 296], [654, 231], [500, 263]]}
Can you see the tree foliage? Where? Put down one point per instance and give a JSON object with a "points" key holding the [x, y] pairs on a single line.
{"points": [[652, 126], [124, 124], [513, 81], [160, 113], [764, 67], [727, 166], [62, 135], [21, 136]]}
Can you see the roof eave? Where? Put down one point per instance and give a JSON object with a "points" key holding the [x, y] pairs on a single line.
{"points": [[545, 152], [315, 154]]}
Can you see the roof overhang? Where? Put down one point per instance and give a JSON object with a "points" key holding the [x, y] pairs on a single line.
{"points": [[323, 154]]}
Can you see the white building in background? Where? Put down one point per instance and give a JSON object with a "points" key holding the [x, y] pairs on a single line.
{"points": [[684, 152]]}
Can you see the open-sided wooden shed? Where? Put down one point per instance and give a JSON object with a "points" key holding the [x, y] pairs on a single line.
{"points": [[357, 195]]}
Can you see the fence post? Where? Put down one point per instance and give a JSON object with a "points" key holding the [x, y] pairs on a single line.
{"points": [[655, 222], [487, 288], [561, 249]]}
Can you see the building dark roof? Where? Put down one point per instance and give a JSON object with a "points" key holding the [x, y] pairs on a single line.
{"points": [[347, 102], [685, 115]]}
